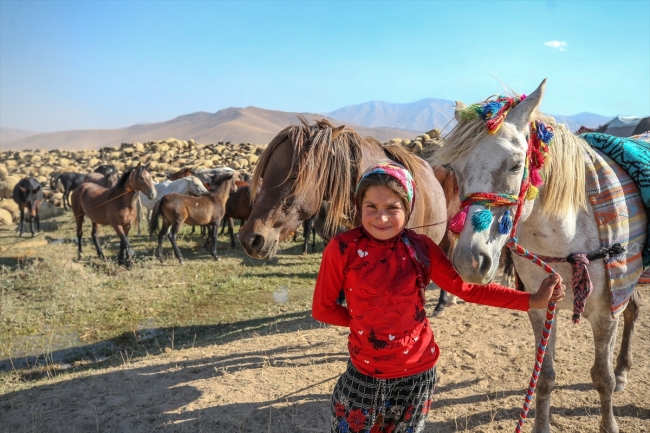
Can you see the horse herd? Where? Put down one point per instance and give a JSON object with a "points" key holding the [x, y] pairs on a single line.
{"points": [[309, 174]]}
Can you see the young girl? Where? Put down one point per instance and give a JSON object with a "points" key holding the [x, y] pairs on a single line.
{"points": [[383, 270]]}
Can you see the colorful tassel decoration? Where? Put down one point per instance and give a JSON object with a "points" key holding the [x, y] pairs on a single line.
{"points": [[505, 225], [532, 193], [481, 219], [536, 178], [458, 221]]}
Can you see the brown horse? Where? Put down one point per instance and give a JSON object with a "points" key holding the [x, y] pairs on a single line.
{"points": [[108, 181], [177, 209], [306, 164], [114, 206], [183, 172], [239, 207]]}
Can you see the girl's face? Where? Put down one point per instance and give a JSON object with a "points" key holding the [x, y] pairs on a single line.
{"points": [[382, 212]]}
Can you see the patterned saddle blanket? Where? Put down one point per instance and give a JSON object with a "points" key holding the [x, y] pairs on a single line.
{"points": [[621, 218], [634, 157]]}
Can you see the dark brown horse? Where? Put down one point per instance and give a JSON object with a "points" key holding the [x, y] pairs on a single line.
{"points": [[28, 193], [306, 164], [183, 172], [177, 209], [115, 206], [239, 207]]}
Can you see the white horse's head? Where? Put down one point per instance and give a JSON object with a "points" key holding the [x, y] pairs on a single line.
{"points": [[488, 163], [195, 186]]}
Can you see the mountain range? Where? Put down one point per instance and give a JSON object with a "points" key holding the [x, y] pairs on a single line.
{"points": [[382, 120]]}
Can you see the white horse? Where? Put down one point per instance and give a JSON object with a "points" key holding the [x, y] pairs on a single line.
{"points": [[186, 185], [558, 223]]}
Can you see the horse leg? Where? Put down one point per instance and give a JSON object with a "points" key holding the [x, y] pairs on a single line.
{"points": [[231, 232], [624, 359], [124, 247], [22, 218], [66, 197], [602, 373], [80, 222], [38, 222], [225, 222], [31, 224], [93, 234], [214, 231], [174, 233], [546, 381], [313, 238], [443, 300], [161, 236]]}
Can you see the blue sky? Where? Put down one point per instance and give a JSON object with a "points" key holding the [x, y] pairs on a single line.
{"points": [[93, 64]]}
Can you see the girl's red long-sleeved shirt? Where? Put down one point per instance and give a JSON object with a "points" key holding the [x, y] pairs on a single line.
{"points": [[390, 335]]}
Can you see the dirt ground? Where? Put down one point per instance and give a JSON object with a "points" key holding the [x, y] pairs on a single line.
{"points": [[280, 380]]}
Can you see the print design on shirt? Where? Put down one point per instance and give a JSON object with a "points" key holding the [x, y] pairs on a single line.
{"points": [[342, 247], [377, 344], [420, 315]]}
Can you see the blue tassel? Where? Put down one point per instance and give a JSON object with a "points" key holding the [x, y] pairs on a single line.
{"points": [[505, 225], [481, 219]]}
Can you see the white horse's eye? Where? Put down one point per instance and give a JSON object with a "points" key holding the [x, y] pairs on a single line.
{"points": [[516, 167]]}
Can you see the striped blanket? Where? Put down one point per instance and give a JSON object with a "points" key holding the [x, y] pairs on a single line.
{"points": [[621, 218], [634, 156]]}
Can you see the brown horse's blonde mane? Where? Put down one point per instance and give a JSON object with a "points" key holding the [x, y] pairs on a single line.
{"points": [[563, 193], [326, 168]]}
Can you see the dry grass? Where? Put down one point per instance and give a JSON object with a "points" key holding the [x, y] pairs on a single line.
{"points": [[49, 301]]}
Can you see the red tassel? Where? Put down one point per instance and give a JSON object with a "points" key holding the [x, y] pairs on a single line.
{"points": [[458, 221], [536, 178]]}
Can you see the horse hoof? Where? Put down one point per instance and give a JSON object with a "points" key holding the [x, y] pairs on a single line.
{"points": [[217, 258], [181, 262]]}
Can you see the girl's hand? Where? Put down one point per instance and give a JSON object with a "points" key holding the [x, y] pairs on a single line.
{"points": [[423, 297], [550, 290]]}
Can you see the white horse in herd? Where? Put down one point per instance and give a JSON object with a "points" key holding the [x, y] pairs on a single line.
{"points": [[556, 224]]}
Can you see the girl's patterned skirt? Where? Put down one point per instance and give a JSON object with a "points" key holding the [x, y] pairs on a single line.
{"points": [[365, 404]]}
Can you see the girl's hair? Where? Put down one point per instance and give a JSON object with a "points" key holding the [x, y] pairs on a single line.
{"points": [[377, 179]]}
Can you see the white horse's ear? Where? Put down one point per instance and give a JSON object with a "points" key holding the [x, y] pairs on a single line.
{"points": [[521, 114], [459, 106]]}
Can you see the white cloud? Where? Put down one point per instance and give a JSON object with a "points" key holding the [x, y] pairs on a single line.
{"points": [[559, 45]]}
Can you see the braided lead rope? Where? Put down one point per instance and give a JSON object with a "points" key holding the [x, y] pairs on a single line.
{"points": [[546, 332]]}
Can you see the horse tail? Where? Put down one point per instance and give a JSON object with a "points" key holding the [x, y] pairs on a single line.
{"points": [[155, 213]]}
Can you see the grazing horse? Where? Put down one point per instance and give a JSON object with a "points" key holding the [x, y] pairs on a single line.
{"points": [[511, 159], [183, 172], [106, 180], [69, 181], [177, 209], [115, 206], [28, 193], [306, 164]]}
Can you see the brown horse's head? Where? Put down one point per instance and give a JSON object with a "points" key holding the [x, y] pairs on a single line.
{"points": [[303, 165], [140, 180]]}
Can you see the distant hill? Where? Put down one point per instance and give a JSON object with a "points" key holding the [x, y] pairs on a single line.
{"points": [[12, 134], [421, 115], [239, 125], [430, 113], [590, 120]]}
